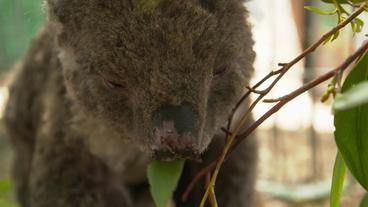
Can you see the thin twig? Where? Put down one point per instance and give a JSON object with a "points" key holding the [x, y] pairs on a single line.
{"points": [[287, 66], [212, 199], [330, 74], [217, 169], [255, 91], [199, 175], [246, 95], [226, 131], [286, 99], [273, 100]]}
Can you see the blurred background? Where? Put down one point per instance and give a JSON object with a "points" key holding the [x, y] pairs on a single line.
{"points": [[297, 146]]}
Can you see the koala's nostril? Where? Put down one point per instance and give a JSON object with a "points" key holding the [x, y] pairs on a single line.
{"points": [[175, 132], [182, 117]]}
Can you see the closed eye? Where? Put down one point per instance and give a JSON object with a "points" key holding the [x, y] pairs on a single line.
{"points": [[114, 85], [220, 71]]}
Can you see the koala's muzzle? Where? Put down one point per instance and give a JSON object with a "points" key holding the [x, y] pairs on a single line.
{"points": [[175, 132]]}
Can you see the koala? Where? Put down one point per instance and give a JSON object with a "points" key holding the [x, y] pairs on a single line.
{"points": [[109, 85]]}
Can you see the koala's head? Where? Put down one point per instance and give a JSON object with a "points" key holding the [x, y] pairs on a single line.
{"points": [[163, 73]]}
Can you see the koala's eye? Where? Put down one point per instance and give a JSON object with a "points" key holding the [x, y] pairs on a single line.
{"points": [[113, 85], [220, 71]]}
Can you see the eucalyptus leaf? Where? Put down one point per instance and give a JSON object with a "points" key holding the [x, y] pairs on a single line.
{"points": [[351, 125], [359, 23], [317, 10], [354, 97], [338, 179], [163, 178]]}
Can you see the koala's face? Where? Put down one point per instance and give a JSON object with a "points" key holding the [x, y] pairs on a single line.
{"points": [[163, 73]]}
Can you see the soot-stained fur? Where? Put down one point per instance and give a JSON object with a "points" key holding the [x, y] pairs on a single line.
{"points": [[81, 108]]}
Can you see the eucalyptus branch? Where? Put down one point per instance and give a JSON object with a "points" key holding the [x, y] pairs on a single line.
{"points": [[232, 139], [286, 67], [286, 99], [246, 95]]}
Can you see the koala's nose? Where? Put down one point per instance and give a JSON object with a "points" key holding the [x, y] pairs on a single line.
{"points": [[175, 129], [180, 119]]}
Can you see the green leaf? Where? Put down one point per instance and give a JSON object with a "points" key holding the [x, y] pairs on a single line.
{"points": [[351, 125], [354, 97], [359, 22], [163, 178], [338, 179], [364, 202], [317, 10], [357, 25]]}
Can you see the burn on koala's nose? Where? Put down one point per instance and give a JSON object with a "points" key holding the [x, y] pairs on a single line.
{"points": [[175, 127]]}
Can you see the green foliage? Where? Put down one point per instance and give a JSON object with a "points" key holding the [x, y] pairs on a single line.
{"points": [[338, 179], [351, 133], [357, 25], [331, 90], [353, 97], [318, 10], [163, 178], [341, 13]]}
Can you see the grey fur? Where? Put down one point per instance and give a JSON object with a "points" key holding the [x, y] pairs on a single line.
{"points": [[79, 142]]}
